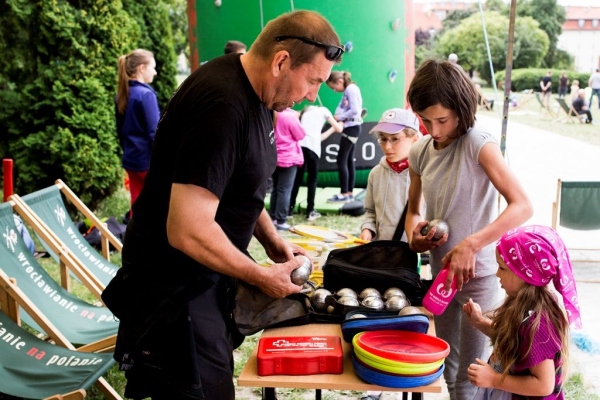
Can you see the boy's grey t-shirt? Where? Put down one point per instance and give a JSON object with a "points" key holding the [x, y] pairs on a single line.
{"points": [[457, 190]]}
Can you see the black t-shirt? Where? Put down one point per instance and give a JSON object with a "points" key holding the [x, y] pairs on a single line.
{"points": [[214, 133], [578, 104], [545, 81]]}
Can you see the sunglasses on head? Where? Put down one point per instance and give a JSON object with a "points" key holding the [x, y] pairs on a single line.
{"points": [[332, 52]]}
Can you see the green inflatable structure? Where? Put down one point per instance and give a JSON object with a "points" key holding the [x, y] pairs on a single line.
{"points": [[379, 41]]}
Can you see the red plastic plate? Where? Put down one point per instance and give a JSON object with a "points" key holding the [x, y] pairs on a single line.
{"points": [[404, 346]]}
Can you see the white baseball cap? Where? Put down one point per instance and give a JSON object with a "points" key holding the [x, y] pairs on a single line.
{"points": [[395, 120]]}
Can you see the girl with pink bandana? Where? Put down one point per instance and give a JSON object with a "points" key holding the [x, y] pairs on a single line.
{"points": [[529, 331]]}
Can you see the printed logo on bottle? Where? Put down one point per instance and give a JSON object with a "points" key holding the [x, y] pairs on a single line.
{"points": [[442, 292]]}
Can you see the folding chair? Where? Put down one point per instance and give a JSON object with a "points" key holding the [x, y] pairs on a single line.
{"points": [[523, 98], [35, 369], [483, 102], [576, 207], [48, 216], [570, 112], [67, 261], [45, 300], [544, 108]]}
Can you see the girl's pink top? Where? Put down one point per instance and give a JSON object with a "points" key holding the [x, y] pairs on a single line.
{"points": [[288, 133]]}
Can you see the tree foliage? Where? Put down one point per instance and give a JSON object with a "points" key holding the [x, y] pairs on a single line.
{"points": [[57, 82], [153, 19], [551, 16], [468, 42], [58, 76]]}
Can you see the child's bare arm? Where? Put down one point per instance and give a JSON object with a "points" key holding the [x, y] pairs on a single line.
{"points": [[476, 317], [540, 382]]}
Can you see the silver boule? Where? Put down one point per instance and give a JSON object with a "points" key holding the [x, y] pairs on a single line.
{"points": [[348, 301], [355, 316], [369, 292], [441, 228], [318, 299], [300, 275], [410, 310], [346, 292], [373, 302], [393, 291], [306, 263], [396, 303]]}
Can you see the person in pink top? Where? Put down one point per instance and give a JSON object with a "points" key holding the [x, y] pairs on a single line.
{"points": [[529, 331], [288, 133]]}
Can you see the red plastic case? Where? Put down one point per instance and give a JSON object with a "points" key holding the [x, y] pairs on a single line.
{"points": [[300, 355]]}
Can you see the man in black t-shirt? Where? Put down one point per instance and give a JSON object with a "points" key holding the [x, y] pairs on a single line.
{"points": [[546, 86], [581, 106], [202, 201]]}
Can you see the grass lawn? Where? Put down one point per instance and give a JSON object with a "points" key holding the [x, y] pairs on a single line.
{"points": [[529, 114]]}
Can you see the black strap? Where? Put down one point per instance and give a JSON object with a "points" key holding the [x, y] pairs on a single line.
{"points": [[400, 227]]}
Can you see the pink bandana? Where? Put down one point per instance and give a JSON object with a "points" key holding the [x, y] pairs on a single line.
{"points": [[538, 255]]}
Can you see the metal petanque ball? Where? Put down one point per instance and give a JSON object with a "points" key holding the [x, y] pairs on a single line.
{"points": [[356, 316], [396, 303], [373, 302], [348, 301], [346, 292], [393, 291], [410, 310], [318, 299], [300, 275], [369, 292], [441, 228]]}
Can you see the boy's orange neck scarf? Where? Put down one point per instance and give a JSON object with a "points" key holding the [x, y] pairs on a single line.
{"points": [[398, 166]]}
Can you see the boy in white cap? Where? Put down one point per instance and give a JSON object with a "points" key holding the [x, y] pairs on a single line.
{"points": [[387, 187]]}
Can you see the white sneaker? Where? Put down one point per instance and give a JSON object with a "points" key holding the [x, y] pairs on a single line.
{"points": [[313, 216], [282, 227]]}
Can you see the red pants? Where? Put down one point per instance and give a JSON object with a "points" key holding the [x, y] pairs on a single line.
{"points": [[136, 182]]}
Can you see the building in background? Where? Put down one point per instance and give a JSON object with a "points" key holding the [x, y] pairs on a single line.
{"points": [[581, 37]]}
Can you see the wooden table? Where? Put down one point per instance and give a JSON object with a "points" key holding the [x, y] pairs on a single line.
{"points": [[348, 380]]}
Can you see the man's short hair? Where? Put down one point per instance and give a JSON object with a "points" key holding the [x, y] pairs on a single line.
{"points": [[233, 46], [305, 24]]}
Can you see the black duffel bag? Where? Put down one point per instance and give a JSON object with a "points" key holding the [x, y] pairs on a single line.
{"points": [[381, 265]]}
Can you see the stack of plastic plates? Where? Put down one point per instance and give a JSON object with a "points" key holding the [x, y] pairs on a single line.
{"points": [[398, 359]]}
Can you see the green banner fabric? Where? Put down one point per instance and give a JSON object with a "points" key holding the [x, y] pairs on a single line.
{"points": [[48, 205], [34, 369], [580, 205], [80, 322]]}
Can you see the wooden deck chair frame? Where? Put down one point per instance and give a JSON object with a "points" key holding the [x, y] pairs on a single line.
{"points": [[80, 322], [557, 205], [68, 261], [523, 98], [107, 235], [545, 109], [482, 102], [570, 112], [11, 297]]}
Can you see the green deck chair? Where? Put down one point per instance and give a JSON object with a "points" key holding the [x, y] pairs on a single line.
{"points": [[80, 322], [34, 369], [48, 207]]}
